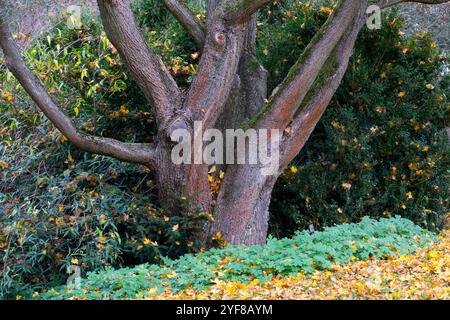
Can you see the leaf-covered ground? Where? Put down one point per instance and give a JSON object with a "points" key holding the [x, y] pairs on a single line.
{"points": [[424, 275], [305, 253]]}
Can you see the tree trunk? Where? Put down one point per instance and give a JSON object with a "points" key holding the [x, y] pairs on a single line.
{"points": [[240, 209], [182, 189]]}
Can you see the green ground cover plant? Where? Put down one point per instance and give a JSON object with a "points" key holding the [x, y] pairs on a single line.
{"points": [[304, 253]]}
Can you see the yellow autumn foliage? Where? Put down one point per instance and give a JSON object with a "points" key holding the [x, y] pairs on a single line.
{"points": [[424, 275]]}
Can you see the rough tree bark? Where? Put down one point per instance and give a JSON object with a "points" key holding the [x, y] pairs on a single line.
{"points": [[228, 92]]}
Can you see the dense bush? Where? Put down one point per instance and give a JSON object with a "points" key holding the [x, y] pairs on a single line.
{"points": [[302, 254], [380, 149]]}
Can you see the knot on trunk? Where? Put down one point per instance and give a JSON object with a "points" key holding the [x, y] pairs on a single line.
{"points": [[219, 39]]}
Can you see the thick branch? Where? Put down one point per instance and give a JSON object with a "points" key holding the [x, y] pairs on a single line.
{"points": [[289, 95], [188, 20], [217, 71], [211, 8], [146, 67], [135, 153], [317, 101]]}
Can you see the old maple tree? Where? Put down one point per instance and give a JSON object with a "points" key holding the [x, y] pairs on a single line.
{"points": [[228, 92]]}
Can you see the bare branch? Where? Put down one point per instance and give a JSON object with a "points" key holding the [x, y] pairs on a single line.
{"points": [[315, 105], [146, 67], [128, 152], [287, 97], [188, 20]]}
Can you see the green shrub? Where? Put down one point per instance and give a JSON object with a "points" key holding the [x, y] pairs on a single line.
{"points": [[301, 254], [375, 152]]}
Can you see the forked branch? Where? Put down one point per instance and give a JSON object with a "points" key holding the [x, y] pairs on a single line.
{"points": [[287, 97], [128, 152], [317, 100]]}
